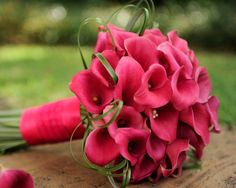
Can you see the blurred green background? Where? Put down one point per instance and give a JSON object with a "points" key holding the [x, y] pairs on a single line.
{"points": [[39, 54]]}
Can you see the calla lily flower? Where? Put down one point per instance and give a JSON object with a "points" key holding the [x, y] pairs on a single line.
{"points": [[204, 84], [142, 50], [185, 91], [143, 168], [103, 43], [132, 143], [100, 71], [156, 148], [155, 90], [93, 94], [128, 82], [176, 153], [128, 117], [198, 117], [164, 122], [13, 178], [100, 148], [155, 35]]}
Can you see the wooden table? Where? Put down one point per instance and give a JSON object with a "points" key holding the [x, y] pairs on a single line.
{"points": [[53, 167]]}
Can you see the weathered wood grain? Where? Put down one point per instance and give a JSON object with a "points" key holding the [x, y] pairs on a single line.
{"points": [[53, 167]]}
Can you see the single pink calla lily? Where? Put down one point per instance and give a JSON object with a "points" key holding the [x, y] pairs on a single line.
{"points": [[176, 153], [186, 132], [164, 122], [100, 148], [198, 117], [212, 107], [100, 71], [93, 94], [103, 43], [156, 148], [155, 90], [143, 168], [13, 178], [204, 84], [155, 35], [142, 50], [132, 143], [185, 91], [128, 82], [128, 117]]}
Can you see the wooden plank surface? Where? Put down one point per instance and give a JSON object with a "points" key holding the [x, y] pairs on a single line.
{"points": [[53, 167]]}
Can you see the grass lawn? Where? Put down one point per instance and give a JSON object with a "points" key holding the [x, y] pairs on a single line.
{"points": [[31, 75]]}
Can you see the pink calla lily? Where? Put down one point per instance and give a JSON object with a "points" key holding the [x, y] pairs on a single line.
{"points": [[155, 90], [164, 122], [100, 148], [13, 178], [185, 91], [102, 43], [198, 117], [128, 82], [93, 94], [155, 35], [132, 143], [135, 48], [100, 71]]}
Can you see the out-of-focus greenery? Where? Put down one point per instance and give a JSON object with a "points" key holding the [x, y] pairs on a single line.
{"points": [[206, 23], [32, 75]]}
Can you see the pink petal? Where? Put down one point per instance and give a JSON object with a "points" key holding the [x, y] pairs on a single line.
{"points": [[156, 148], [93, 94], [197, 116], [100, 71], [178, 42], [155, 90], [13, 178], [155, 36], [100, 148], [129, 74], [128, 117], [204, 84], [142, 50], [212, 107], [164, 122], [132, 143], [185, 91], [194, 61], [102, 43], [143, 168]]}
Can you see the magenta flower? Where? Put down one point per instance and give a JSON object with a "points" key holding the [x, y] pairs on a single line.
{"points": [[13, 178], [155, 90], [163, 124], [128, 82], [100, 147], [155, 36], [132, 143], [93, 94], [102, 42]]}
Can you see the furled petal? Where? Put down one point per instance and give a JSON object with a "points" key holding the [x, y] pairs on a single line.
{"points": [[129, 74], [100, 148], [13, 178], [164, 122], [155, 90], [143, 168], [187, 132], [185, 91], [156, 147], [128, 117], [103, 43], [93, 94], [178, 42], [197, 116], [204, 84], [142, 50], [212, 107], [174, 58], [132, 143], [176, 155], [100, 71], [194, 61], [155, 36]]}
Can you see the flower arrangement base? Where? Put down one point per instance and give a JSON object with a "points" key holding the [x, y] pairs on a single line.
{"points": [[51, 166]]}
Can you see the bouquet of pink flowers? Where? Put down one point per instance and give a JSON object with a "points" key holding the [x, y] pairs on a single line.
{"points": [[143, 108]]}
